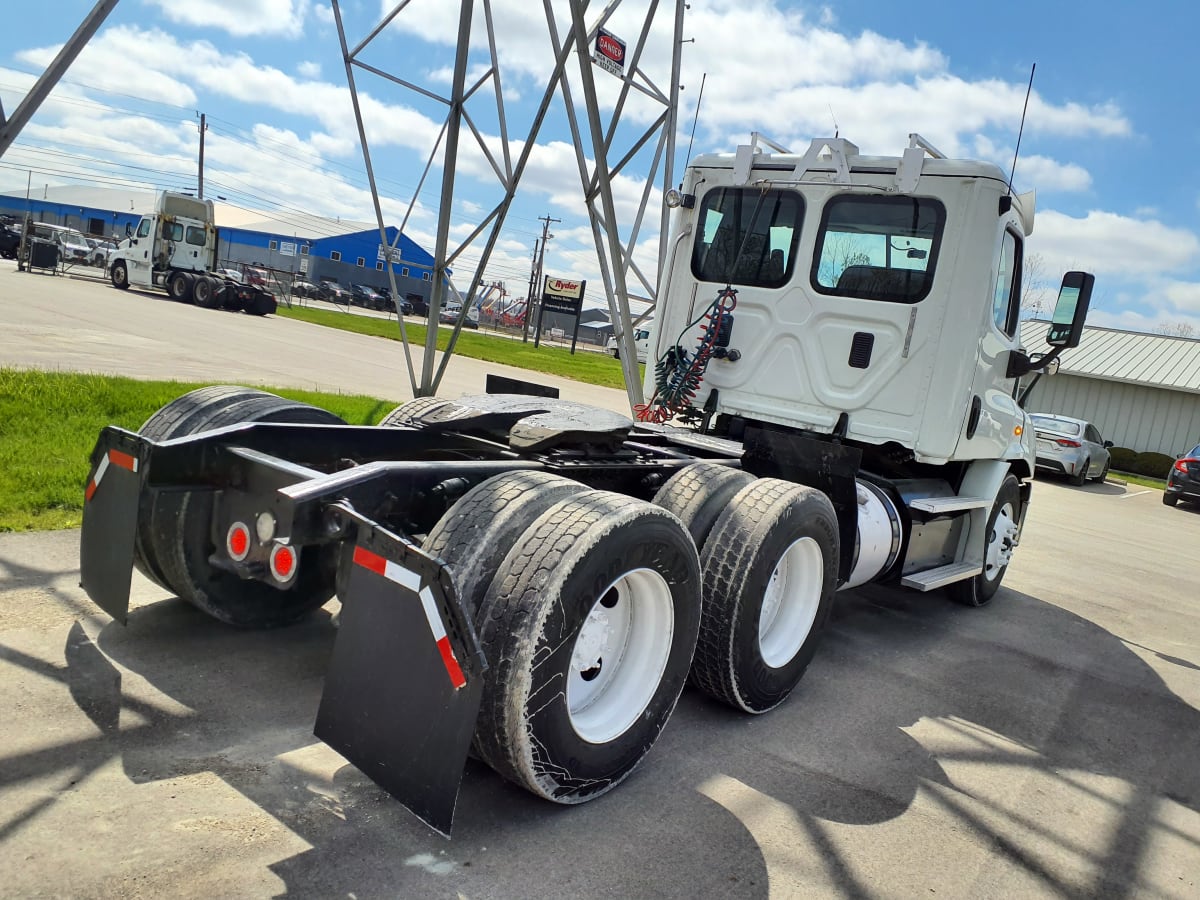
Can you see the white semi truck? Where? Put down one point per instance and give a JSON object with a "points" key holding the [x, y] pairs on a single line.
{"points": [[833, 402], [175, 249]]}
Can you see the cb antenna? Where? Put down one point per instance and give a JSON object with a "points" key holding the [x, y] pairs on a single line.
{"points": [[1021, 130], [695, 119]]}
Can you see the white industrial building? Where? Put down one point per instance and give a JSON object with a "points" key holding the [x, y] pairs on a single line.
{"points": [[1141, 390]]}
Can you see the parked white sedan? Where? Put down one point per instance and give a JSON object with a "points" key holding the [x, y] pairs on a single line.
{"points": [[1071, 447]]}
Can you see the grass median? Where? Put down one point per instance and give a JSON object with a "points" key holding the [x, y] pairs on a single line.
{"points": [[586, 366], [50, 421]]}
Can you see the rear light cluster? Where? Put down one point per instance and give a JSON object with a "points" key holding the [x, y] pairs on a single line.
{"points": [[283, 559], [1067, 442], [1181, 465]]}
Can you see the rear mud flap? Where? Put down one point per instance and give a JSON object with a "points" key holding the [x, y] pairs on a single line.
{"points": [[405, 681], [110, 522]]}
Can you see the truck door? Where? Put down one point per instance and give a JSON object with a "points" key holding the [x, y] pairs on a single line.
{"points": [[993, 414], [138, 256]]}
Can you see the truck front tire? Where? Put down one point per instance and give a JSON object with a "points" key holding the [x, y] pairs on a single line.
{"points": [[770, 570], [589, 626], [1006, 513], [119, 275]]}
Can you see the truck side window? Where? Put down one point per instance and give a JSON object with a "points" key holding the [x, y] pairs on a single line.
{"points": [[747, 236], [1006, 303], [173, 232], [878, 248], [143, 228], [195, 236]]}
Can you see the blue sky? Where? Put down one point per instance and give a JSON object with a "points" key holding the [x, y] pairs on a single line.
{"points": [[1111, 144]]}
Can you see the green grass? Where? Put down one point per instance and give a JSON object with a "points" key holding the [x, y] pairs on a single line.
{"points": [[591, 368], [49, 422], [1143, 480]]}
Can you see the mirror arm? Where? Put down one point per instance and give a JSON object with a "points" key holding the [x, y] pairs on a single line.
{"points": [[1019, 364]]}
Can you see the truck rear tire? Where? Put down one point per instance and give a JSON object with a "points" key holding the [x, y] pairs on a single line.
{"points": [[119, 275], [770, 570], [589, 626], [204, 292], [1001, 530], [410, 411], [173, 542], [179, 287], [486, 522], [699, 493]]}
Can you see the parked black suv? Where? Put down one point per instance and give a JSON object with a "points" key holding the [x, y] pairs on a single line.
{"points": [[1183, 481], [366, 296], [406, 308], [10, 241]]}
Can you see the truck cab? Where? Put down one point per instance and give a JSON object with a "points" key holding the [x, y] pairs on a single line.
{"points": [[879, 291], [179, 236]]}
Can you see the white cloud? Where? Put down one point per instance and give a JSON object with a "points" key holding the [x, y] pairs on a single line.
{"points": [[309, 69], [241, 18], [1110, 244]]}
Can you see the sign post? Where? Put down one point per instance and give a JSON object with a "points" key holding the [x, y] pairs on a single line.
{"points": [[560, 295]]}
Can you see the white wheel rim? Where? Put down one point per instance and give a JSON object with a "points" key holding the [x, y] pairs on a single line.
{"points": [[790, 602], [620, 655], [1001, 543]]}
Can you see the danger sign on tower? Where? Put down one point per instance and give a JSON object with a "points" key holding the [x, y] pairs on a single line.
{"points": [[610, 53]]}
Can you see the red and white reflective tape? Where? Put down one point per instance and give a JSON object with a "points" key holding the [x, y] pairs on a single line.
{"points": [[117, 458], [402, 576]]}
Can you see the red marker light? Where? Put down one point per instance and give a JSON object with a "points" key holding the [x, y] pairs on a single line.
{"points": [[237, 541], [283, 562]]}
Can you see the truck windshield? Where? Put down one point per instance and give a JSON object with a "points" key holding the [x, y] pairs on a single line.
{"points": [[878, 248], [747, 236]]}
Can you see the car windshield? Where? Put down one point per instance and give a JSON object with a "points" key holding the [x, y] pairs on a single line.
{"points": [[1046, 423]]}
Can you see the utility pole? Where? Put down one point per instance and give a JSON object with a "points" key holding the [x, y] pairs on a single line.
{"points": [[200, 182], [533, 267], [537, 281]]}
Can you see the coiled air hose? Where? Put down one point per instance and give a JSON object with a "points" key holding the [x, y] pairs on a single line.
{"points": [[678, 373]]}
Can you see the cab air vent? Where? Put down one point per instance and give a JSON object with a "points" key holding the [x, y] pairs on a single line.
{"points": [[860, 349]]}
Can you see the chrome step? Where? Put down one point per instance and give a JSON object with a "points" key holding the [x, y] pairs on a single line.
{"points": [[939, 505], [932, 579]]}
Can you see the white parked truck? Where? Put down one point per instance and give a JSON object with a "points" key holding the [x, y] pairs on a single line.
{"points": [[175, 249], [641, 343], [833, 402]]}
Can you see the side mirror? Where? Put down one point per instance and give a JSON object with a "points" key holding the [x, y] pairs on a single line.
{"points": [[1107, 444], [1066, 325]]}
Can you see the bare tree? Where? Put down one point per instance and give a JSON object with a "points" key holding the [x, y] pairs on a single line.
{"points": [[1175, 329], [1036, 290]]}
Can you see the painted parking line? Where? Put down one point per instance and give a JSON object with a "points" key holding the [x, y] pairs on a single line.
{"points": [[1138, 494]]}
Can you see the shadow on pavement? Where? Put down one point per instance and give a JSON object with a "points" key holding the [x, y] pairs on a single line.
{"points": [[907, 694]]}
